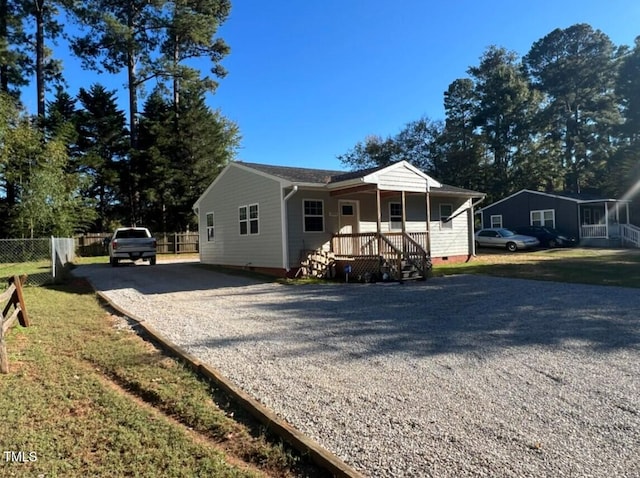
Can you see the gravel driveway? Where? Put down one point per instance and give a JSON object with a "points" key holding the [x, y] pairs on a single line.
{"points": [[456, 376]]}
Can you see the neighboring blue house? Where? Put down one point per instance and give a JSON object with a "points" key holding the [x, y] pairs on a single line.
{"points": [[595, 221]]}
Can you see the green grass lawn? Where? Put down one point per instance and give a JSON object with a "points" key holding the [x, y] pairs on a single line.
{"points": [[86, 398], [620, 267]]}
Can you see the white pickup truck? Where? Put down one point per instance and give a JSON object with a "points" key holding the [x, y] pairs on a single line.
{"points": [[133, 243]]}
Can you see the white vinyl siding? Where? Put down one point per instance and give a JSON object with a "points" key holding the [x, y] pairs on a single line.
{"points": [[401, 178], [452, 241], [210, 227], [545, 217], [234, 188], [496, 220]]}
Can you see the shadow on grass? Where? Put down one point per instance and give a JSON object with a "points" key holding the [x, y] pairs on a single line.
{"points": [[612, 269]]}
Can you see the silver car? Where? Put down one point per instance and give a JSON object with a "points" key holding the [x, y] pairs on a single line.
{"points": [[501, 237]]}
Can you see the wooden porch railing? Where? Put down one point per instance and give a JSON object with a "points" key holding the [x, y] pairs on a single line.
{"points": [[394, 247]]}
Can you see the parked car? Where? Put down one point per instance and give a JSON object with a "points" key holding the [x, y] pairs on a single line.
{"points": [[132, 243], [547, 236], [501, 237]]}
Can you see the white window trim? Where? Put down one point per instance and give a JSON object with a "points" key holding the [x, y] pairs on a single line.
{"points": [[248, 220], [391, 228], [210, 229], [496, 216], [443, 224], [304, 216], [542, 211]]}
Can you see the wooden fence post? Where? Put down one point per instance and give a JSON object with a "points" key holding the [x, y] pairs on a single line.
{"points": [[16, 299]]}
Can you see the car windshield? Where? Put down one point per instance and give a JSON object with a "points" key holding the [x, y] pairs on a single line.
{"points": [[506, 232]]}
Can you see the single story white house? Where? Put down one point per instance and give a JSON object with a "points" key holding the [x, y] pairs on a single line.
{"points": [[276, 219]]}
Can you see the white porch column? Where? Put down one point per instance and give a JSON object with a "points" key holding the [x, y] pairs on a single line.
{"points": [[606, 220], [403, 200], [627, 207], [428, 200], [378, 219]]}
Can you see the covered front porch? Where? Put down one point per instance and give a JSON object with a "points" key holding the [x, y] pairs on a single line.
{"points": [[389, 222], [606, 223]]}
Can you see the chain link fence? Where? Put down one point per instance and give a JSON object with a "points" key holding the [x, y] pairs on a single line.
{"points": [[44, 260]]}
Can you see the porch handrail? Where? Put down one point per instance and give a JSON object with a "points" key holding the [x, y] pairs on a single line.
{"points": [[593, 230], [394, 247], [630, 234], [413, 248]]}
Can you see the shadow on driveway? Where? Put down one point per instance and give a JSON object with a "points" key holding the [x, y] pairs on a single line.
{"points": [[458, 314]]}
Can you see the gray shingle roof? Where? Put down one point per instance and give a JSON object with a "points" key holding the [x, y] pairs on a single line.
{"points": [[296, 175], [326, 176]]}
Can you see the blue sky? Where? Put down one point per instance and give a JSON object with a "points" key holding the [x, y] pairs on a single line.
{"points": [[309, 79]]}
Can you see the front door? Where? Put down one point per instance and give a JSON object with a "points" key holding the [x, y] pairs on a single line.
{"points": [[348, 217], [349, 224]]}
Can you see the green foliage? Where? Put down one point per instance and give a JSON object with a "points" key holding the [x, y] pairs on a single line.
{"points": [[575, 69], [45, 194], [180, 154], [104, 143], [461, 154], [15, 60], [414, 143], [565, 117]]}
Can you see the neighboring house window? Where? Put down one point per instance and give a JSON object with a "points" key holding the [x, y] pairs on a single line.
{"points": [[496, 220], [210, 227], [313, 215], [546, 218], [446, 211], [248, 217], [395, 215]]}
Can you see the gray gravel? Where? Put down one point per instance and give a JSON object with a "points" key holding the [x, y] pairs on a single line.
{"points": [[456, 376]]}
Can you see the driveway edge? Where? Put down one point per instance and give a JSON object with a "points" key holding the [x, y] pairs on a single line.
{"points": [[305, 445]]}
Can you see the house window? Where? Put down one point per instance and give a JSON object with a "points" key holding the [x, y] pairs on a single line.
{"points": [[347, 210], [395, 216], [253, 219], [313, 215], [248, 218], [546, 218], [496, 220], [446, 211], [210, 227]]}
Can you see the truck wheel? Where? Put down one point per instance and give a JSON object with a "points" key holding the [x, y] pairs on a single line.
{"points": [[114, 262], [152, 261]]}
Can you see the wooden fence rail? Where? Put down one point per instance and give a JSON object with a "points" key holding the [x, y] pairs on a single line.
{"points": [[95, 244], [16, 299]]}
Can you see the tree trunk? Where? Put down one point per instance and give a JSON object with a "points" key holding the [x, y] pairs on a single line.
{"points": [[4, 68], [40, 54]]}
